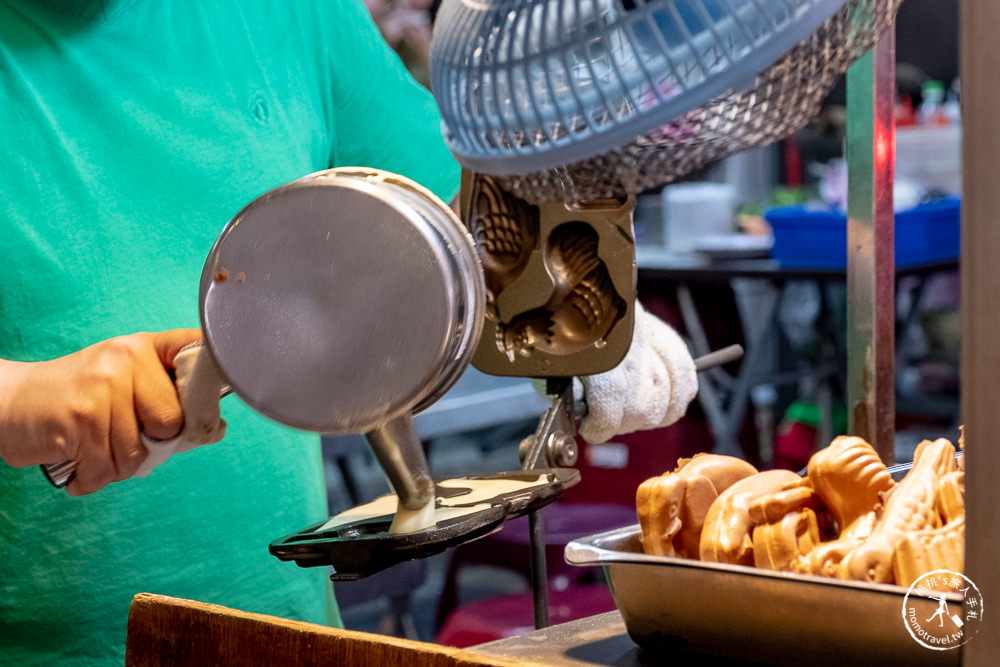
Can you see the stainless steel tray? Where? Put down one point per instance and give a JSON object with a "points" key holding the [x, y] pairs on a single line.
{"points": [[733, 611]]}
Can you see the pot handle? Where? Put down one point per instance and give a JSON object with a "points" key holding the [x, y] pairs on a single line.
{"points": [[197, 383]]}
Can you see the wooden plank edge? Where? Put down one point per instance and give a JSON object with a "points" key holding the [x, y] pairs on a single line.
{"points": [[164, 630]]}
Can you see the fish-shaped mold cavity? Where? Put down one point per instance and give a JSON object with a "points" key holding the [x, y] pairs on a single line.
{"points": [[505, 229], [582, 308]]}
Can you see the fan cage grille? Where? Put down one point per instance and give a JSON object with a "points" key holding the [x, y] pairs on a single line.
{"points": [[567, 101]]}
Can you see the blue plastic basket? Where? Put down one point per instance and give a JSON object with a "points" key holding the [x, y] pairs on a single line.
{"points": [[816, 236]]}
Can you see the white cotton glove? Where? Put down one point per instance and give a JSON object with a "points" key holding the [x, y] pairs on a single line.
{"points": [[650, 388], [199, 388]]}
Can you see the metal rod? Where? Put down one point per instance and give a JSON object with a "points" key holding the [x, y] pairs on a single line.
{"points": [[871, 94], [719, 357], [539, 572]]}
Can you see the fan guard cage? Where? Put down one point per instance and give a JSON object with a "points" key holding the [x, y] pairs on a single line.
{"points": [[575, 101]]}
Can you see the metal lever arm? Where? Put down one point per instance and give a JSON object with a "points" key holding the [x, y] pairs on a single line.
{"points": [[554, 442]]}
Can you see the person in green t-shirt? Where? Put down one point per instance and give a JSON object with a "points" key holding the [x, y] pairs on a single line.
{"points": [[132, 131]]}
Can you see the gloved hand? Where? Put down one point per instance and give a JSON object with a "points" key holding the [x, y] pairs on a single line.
{"points": [[650, 388]]}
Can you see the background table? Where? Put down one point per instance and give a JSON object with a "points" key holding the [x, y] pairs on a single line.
{"points": [[759, 285]]}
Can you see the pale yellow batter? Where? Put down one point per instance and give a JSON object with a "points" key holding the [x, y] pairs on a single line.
{"points": [[481, 491]]}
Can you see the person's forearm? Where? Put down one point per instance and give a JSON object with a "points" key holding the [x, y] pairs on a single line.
{"points": [[11, 378]]}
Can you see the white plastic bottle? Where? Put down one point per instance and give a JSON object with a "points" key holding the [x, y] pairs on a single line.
{"points": [[931, 111], [952, 105]]}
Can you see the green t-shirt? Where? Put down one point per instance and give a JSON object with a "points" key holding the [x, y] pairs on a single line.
{"points": [[131, 131]]}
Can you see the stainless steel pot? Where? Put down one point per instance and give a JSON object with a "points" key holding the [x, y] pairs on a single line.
{"points": [[341, 303], [345, 302]]}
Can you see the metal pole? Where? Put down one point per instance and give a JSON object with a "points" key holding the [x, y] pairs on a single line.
{"points": [[539, 574], [871, 95], [980, 312]]}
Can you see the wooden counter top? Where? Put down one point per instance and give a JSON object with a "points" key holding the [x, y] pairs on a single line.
{"points": [[590, 642], [171, 631], [183, 633]]}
